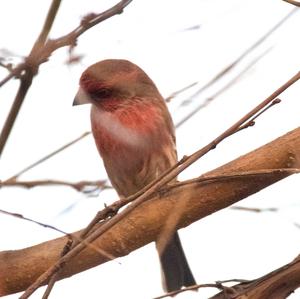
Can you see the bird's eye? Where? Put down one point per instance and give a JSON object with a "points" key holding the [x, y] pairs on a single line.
{"points": [[100, 94]]}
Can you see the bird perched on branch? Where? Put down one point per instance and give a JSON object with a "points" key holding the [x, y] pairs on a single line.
{"points": [[134, 134]]}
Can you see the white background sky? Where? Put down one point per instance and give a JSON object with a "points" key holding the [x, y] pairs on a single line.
{"points": [[154, 34]]}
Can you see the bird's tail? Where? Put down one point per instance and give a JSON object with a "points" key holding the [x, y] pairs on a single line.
{"points": [[175, 268]]}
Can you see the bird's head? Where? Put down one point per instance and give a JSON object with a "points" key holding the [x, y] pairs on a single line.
{"points": [[113, 82]]}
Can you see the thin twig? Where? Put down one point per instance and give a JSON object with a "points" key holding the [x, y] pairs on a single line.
{"points": [[220, 91], [218, 284], [177, 92], [7, 66], [87, 22], [251, 122], [69, 39], [38, 162], [15, 72], [238, 175], [190, 288], [41, 52], [79, 186], [51, 284], [55, 275], [163, 179], [255, 210], [48, 22], [25, 83], [70, 236], [229, 67], [30, 70]]}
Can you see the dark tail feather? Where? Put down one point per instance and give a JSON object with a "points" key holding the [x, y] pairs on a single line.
{"points": [[175, 268]]}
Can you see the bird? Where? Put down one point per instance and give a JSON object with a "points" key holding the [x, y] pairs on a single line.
{"points": [[135, 137]]}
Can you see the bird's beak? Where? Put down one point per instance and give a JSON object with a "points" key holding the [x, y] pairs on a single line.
{"points": [[81, 98]]}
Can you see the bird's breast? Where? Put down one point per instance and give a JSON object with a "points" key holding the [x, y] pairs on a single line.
{"points": [[133, 155], [112, 135]]}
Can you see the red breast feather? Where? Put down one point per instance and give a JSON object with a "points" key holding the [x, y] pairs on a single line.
{"points": [[136, 142]]}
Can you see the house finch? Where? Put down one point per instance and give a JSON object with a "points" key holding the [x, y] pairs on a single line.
{"points": [[134, 134]]}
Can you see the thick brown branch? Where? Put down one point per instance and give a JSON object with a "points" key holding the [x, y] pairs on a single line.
{"points": [[278, 284], [20, 268], [296, 3]]}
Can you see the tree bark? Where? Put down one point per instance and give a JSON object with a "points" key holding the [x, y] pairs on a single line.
{"points": [[278, 284], [197, 199]]}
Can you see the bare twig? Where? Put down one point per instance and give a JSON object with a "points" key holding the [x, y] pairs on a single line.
{"points": [[87, 22], [20, 216], [219, 92], [251, 121], [69, 39], [256, 210], [41, 52], [38, 162], [234, 280], [30, 70], [51, 284], [230, 176], [166, 177], [241, 57], [7, 66], [177, 92], [79, 186], [25, 83], [41, 39], [55, 275], [191, 288], [219, 285], [70, 236], [15, 72], [48, 23]]}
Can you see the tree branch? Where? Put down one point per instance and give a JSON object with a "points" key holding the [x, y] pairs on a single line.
{"points": [[20, 268], [25, 83], [278, 284], [30, 70], [296, 3], [79, 186], [40, 53]]}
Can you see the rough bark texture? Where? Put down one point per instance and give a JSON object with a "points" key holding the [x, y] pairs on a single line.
{"points": [[277, 284], [19, 268]]}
